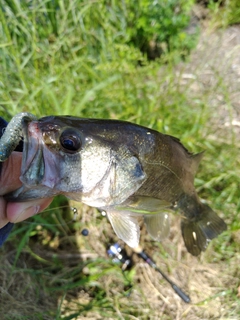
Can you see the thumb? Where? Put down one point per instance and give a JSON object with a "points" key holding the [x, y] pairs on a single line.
{"points": [[19, 211], [10, 173]]}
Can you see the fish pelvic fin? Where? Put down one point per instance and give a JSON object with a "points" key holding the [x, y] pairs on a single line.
{"points": [[197, 234], [125, 226], [157, 225]]}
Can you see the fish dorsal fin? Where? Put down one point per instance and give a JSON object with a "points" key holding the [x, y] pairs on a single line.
{"points": [[157, 225], [178, 141], [125, 226], [196, 159]]}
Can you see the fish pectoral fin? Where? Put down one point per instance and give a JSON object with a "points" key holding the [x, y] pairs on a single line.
{"points": [[148, 204], [157, 225], [125, 226]]}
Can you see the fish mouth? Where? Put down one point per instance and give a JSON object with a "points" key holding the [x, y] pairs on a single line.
{"points": [[33, 168], [40, 165]]}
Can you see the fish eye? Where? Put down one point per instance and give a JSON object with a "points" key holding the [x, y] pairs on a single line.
{"points": [[70, 140]]}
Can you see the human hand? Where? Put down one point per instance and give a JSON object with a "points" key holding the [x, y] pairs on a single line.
{"points": [[9, 181]]}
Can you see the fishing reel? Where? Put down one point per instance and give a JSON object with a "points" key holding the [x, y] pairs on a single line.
{"points": [[119, 256]]}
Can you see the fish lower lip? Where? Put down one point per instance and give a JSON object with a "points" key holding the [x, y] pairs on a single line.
{"points": [[32, 171]]}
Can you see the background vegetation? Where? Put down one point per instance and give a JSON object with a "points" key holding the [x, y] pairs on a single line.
{"points": [[124, 60]]}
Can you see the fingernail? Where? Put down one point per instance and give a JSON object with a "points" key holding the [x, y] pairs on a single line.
{"points": [[26, 213]]}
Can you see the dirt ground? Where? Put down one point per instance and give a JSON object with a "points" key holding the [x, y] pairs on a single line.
{"points": [[216, 59]]}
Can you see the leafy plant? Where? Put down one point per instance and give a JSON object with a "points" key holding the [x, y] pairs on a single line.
{"points": [[158, 27]]}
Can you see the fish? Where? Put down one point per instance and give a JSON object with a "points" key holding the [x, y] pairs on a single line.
{"points": [[124, 169]]}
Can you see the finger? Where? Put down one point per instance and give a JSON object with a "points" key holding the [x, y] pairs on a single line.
{"points": [[10, 173], [19, 211], [3, 217]]}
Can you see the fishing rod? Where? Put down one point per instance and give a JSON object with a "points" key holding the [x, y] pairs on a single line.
{"points": [[150, 262], [118, 254]]}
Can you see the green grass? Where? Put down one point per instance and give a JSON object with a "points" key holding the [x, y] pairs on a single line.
{"points": [[69, 57]]}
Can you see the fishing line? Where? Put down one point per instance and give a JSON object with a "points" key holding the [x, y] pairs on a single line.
{"points": [[74, 219]]}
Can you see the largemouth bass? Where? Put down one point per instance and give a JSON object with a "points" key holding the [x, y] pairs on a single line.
{"points": [[122, 168]]}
